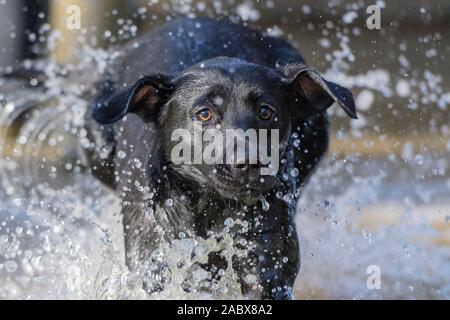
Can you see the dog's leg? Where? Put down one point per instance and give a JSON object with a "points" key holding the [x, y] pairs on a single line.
{"points": [[273, 257], [150, 230], [143, 251], [280, 264]]}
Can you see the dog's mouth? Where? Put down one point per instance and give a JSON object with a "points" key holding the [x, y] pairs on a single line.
{"points": [[245, 186]]}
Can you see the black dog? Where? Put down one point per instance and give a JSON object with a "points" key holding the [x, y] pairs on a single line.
{"points": [[173, 77]]}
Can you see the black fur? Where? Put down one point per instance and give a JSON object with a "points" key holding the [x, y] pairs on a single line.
{"points": [[153, 88]]}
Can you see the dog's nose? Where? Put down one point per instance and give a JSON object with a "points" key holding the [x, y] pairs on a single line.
{"points": [[243, 160]]}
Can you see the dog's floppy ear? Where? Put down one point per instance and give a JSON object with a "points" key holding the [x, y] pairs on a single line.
{"points": [[144, 98], [319, 93]]}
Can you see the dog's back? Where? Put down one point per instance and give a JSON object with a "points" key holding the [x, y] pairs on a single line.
{"points": [[183, 42]]}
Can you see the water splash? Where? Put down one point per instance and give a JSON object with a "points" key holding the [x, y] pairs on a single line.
{"points": [[61, 234]]}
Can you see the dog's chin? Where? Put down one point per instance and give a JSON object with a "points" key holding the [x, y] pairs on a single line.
{"points": [[246, 195], [242, 189]]}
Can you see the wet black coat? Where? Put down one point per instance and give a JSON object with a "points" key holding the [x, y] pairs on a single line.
{"points": [[127, 157]]}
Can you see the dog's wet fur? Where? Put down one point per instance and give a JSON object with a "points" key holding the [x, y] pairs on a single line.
{"points": [[158, 86]]}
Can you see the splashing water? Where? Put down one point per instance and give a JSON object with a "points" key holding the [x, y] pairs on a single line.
{"points": [[61, 235]]}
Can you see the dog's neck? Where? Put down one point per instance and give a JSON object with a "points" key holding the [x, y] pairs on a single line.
{"points": [[187, 203]]}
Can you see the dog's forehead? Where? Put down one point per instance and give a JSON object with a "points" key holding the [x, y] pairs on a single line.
{"points": [[232, 75]]}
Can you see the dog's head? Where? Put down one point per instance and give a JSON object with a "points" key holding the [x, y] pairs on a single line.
{"points": [[225, 123]]}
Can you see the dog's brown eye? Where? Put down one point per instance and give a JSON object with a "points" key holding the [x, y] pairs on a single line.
{"points": [[266, 112], [204, 115]]}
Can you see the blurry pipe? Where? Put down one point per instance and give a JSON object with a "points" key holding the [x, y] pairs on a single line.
{"points": [[34, 14], [20, 22]]}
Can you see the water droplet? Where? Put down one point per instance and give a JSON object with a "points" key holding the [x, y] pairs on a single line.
{"points": [[10, 266], [229, 222], [264, 204], [251, 279], [121, 154], [47, 246], [22, 140], [288, 198], [150, 211], [218, 101], [169, 202], [419, 159], [137, 163], [406, 251], [367, 236]]}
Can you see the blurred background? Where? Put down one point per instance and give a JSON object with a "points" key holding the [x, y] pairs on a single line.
{"points": [[381, 198]]}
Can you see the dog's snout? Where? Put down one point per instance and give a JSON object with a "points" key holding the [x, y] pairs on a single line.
{"points": [[246, 160]]}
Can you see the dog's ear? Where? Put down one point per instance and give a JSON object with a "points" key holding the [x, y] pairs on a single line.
{"points": [[316, 91], [144, 98]]}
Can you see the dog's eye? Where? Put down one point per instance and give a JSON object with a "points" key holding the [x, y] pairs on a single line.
{"points": [[266, 112], [204, 115]]}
